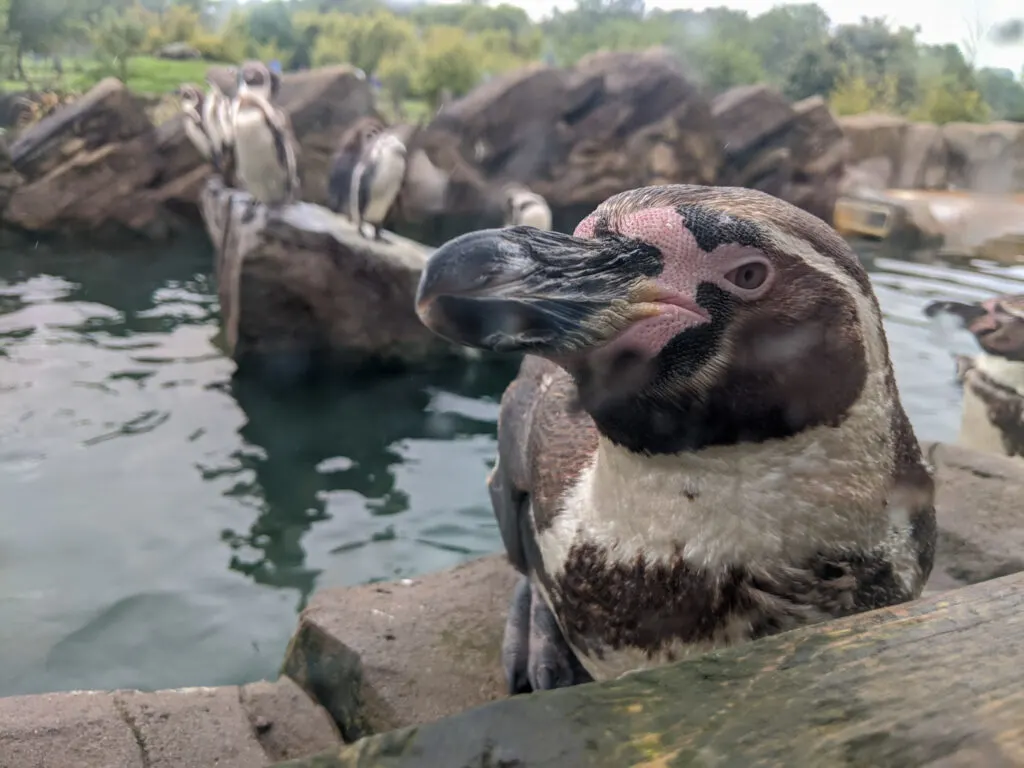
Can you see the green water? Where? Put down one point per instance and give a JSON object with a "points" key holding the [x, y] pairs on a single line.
{"points": [[162, 525]]}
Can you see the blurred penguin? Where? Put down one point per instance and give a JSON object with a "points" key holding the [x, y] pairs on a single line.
{"points": [[343, 164], [525, 208], [256, 77], [376, 182], [265, 151]]}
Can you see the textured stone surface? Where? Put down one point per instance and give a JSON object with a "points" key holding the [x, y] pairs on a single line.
{"points": [[227, 727], [301, 290], [937, 682], [382, 656]]}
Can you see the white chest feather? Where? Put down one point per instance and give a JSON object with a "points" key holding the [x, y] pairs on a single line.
{"points": [[385, 183], [1009, 373], [258, 165], [535, 214], [767, 503]]}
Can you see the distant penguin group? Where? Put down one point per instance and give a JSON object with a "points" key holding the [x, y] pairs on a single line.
{"points": [[246, 138]]}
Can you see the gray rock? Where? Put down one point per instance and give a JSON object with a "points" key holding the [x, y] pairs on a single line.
{"points": [[382, 656], [228, 727], [301, 290]]}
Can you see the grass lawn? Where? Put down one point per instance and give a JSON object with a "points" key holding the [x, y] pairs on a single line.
{"points": [[146, 74]]}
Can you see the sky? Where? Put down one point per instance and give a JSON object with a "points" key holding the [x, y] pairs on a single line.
{"points": [[946, 21]]}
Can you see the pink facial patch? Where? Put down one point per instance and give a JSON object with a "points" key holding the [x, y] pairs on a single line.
{"points": [[687, 265]]}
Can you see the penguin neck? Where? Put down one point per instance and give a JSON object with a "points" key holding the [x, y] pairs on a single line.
{"points": [[734, 505], [1008, 373]]}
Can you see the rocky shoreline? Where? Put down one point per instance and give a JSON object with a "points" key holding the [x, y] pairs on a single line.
{"points": [[613, 122], [409, 673]]}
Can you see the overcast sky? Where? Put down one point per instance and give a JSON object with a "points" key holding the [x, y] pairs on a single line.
{"points": [[944, 21]]}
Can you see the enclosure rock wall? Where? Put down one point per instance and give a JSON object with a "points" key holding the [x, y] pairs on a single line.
{"points": [[101, 166], [615, 121], [892, 152], [620, 120]]}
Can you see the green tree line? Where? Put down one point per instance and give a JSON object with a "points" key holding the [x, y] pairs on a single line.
{"points": [[420, 53]]}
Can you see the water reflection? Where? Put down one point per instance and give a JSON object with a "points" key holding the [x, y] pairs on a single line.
{"points": [[339, 448]]}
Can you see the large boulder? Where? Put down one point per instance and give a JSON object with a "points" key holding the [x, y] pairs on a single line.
{"points": [[793, 151], [986, 157], [613, 122], [85, 166], [388, 655], [888, 151], [301, 291]]}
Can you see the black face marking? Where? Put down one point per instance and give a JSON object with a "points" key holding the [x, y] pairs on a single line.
{"points": [[712, 228]]}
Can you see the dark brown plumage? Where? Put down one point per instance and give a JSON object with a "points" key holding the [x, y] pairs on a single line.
{"points": [[713, 449]]}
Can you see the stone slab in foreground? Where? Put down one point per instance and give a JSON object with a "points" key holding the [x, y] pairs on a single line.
{"points": [[934, 682], [385, 656], [229, 727], [300, 288], [382, 656]]}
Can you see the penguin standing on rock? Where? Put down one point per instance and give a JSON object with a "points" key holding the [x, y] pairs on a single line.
{"points": [[376, 182], [343, 164], [993, 408], [704, 444], [525, 208], [216, 114], [192, 108], [265, 151]]}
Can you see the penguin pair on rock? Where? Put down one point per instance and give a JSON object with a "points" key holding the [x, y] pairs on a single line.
{"points": [[704, 444], [246, 138]]}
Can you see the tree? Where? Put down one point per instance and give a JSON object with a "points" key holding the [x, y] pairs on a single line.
{"points": [[450, 62], [117, 37], [1003, 93], [784, 33]]}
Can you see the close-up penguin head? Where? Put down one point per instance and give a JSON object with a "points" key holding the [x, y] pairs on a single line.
{"points": [[707, 315]]}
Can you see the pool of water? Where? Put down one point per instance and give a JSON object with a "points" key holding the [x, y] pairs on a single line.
{"points": [[162, 525]]}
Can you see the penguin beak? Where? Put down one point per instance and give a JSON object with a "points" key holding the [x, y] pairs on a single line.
{"points": [[996, 324], [521, 289], [967, 313]]}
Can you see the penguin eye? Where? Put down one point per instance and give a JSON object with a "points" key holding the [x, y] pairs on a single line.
{"points": [[748, 276]]}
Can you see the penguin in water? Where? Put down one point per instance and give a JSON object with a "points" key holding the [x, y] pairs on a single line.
{"points": [[265, 151], [192, 108], [705, 443], [525, 208], [376, 182]]}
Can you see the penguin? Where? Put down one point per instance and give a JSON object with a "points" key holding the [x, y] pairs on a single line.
{"points": [[525, 208], [216, 120], [265, 151], [258, 78], [704, 444], [192, 107], [345, 160], [376, 182], [993, 380]]}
